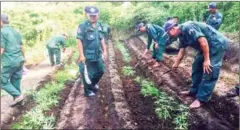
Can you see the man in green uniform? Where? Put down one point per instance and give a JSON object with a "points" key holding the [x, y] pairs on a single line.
{"points": [[211, 46], [215, 17], [53, 46], [155, 33], [12, 60], [92, 51]]}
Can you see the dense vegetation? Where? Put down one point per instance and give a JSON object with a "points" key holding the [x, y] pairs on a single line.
{"points": [[37, 21]]}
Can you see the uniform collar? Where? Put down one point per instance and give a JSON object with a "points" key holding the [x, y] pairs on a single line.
{"points": [[90, 24]]}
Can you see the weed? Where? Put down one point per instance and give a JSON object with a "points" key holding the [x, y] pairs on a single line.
{"points": [[123, 50], [181, 121], [165, 106], [137, 79], [128, 71]]}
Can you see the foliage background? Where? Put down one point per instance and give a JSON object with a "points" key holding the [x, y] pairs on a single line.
{"points": [[38, 21]]}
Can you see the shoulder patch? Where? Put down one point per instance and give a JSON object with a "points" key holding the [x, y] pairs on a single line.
{"points": [[191, 31]]}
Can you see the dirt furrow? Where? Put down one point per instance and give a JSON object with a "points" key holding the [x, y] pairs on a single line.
{"points": [[142, 108], [107, 116], [219, 105], [120, 103], [63, 120], [107, 110], [200, 117]]}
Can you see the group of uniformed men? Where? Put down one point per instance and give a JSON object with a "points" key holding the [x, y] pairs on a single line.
{"points": [[209, 43], [203, 37]]}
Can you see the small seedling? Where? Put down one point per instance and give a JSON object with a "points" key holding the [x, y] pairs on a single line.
{"points": [[128, 71]]}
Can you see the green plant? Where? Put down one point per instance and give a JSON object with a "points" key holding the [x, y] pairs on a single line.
{"points": [[128, 71], [45, 99], [138, 79], [124, 52], [165, 106], [67, 74], [181, 121], [148, 89]]}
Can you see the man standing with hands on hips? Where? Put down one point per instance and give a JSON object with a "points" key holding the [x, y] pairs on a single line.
{"points": [[92, 50]]}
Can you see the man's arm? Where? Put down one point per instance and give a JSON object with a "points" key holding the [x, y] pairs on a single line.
{"points": [[104, 49], [2, 50], [63, 43], [21, 45], [205, 49], [80, 37], [22, 50], [149, 42], [179, 58], [80, 50], [3, 43], [218, 20]]}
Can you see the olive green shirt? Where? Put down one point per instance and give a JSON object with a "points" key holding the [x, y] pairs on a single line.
{"points": [[91, 39], [56, 41], [11, 42]]}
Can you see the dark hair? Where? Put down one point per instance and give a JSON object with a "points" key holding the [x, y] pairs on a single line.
{"points": [[64, 35], [176, 17]]}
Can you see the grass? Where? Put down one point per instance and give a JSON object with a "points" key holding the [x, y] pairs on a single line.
{"points": [[123, 50], [46, 98]]}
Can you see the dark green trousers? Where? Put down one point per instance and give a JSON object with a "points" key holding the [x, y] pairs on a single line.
{"points": [[203, 83], [95, 72], [54, 52], [11, 79], [158, 53]]}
